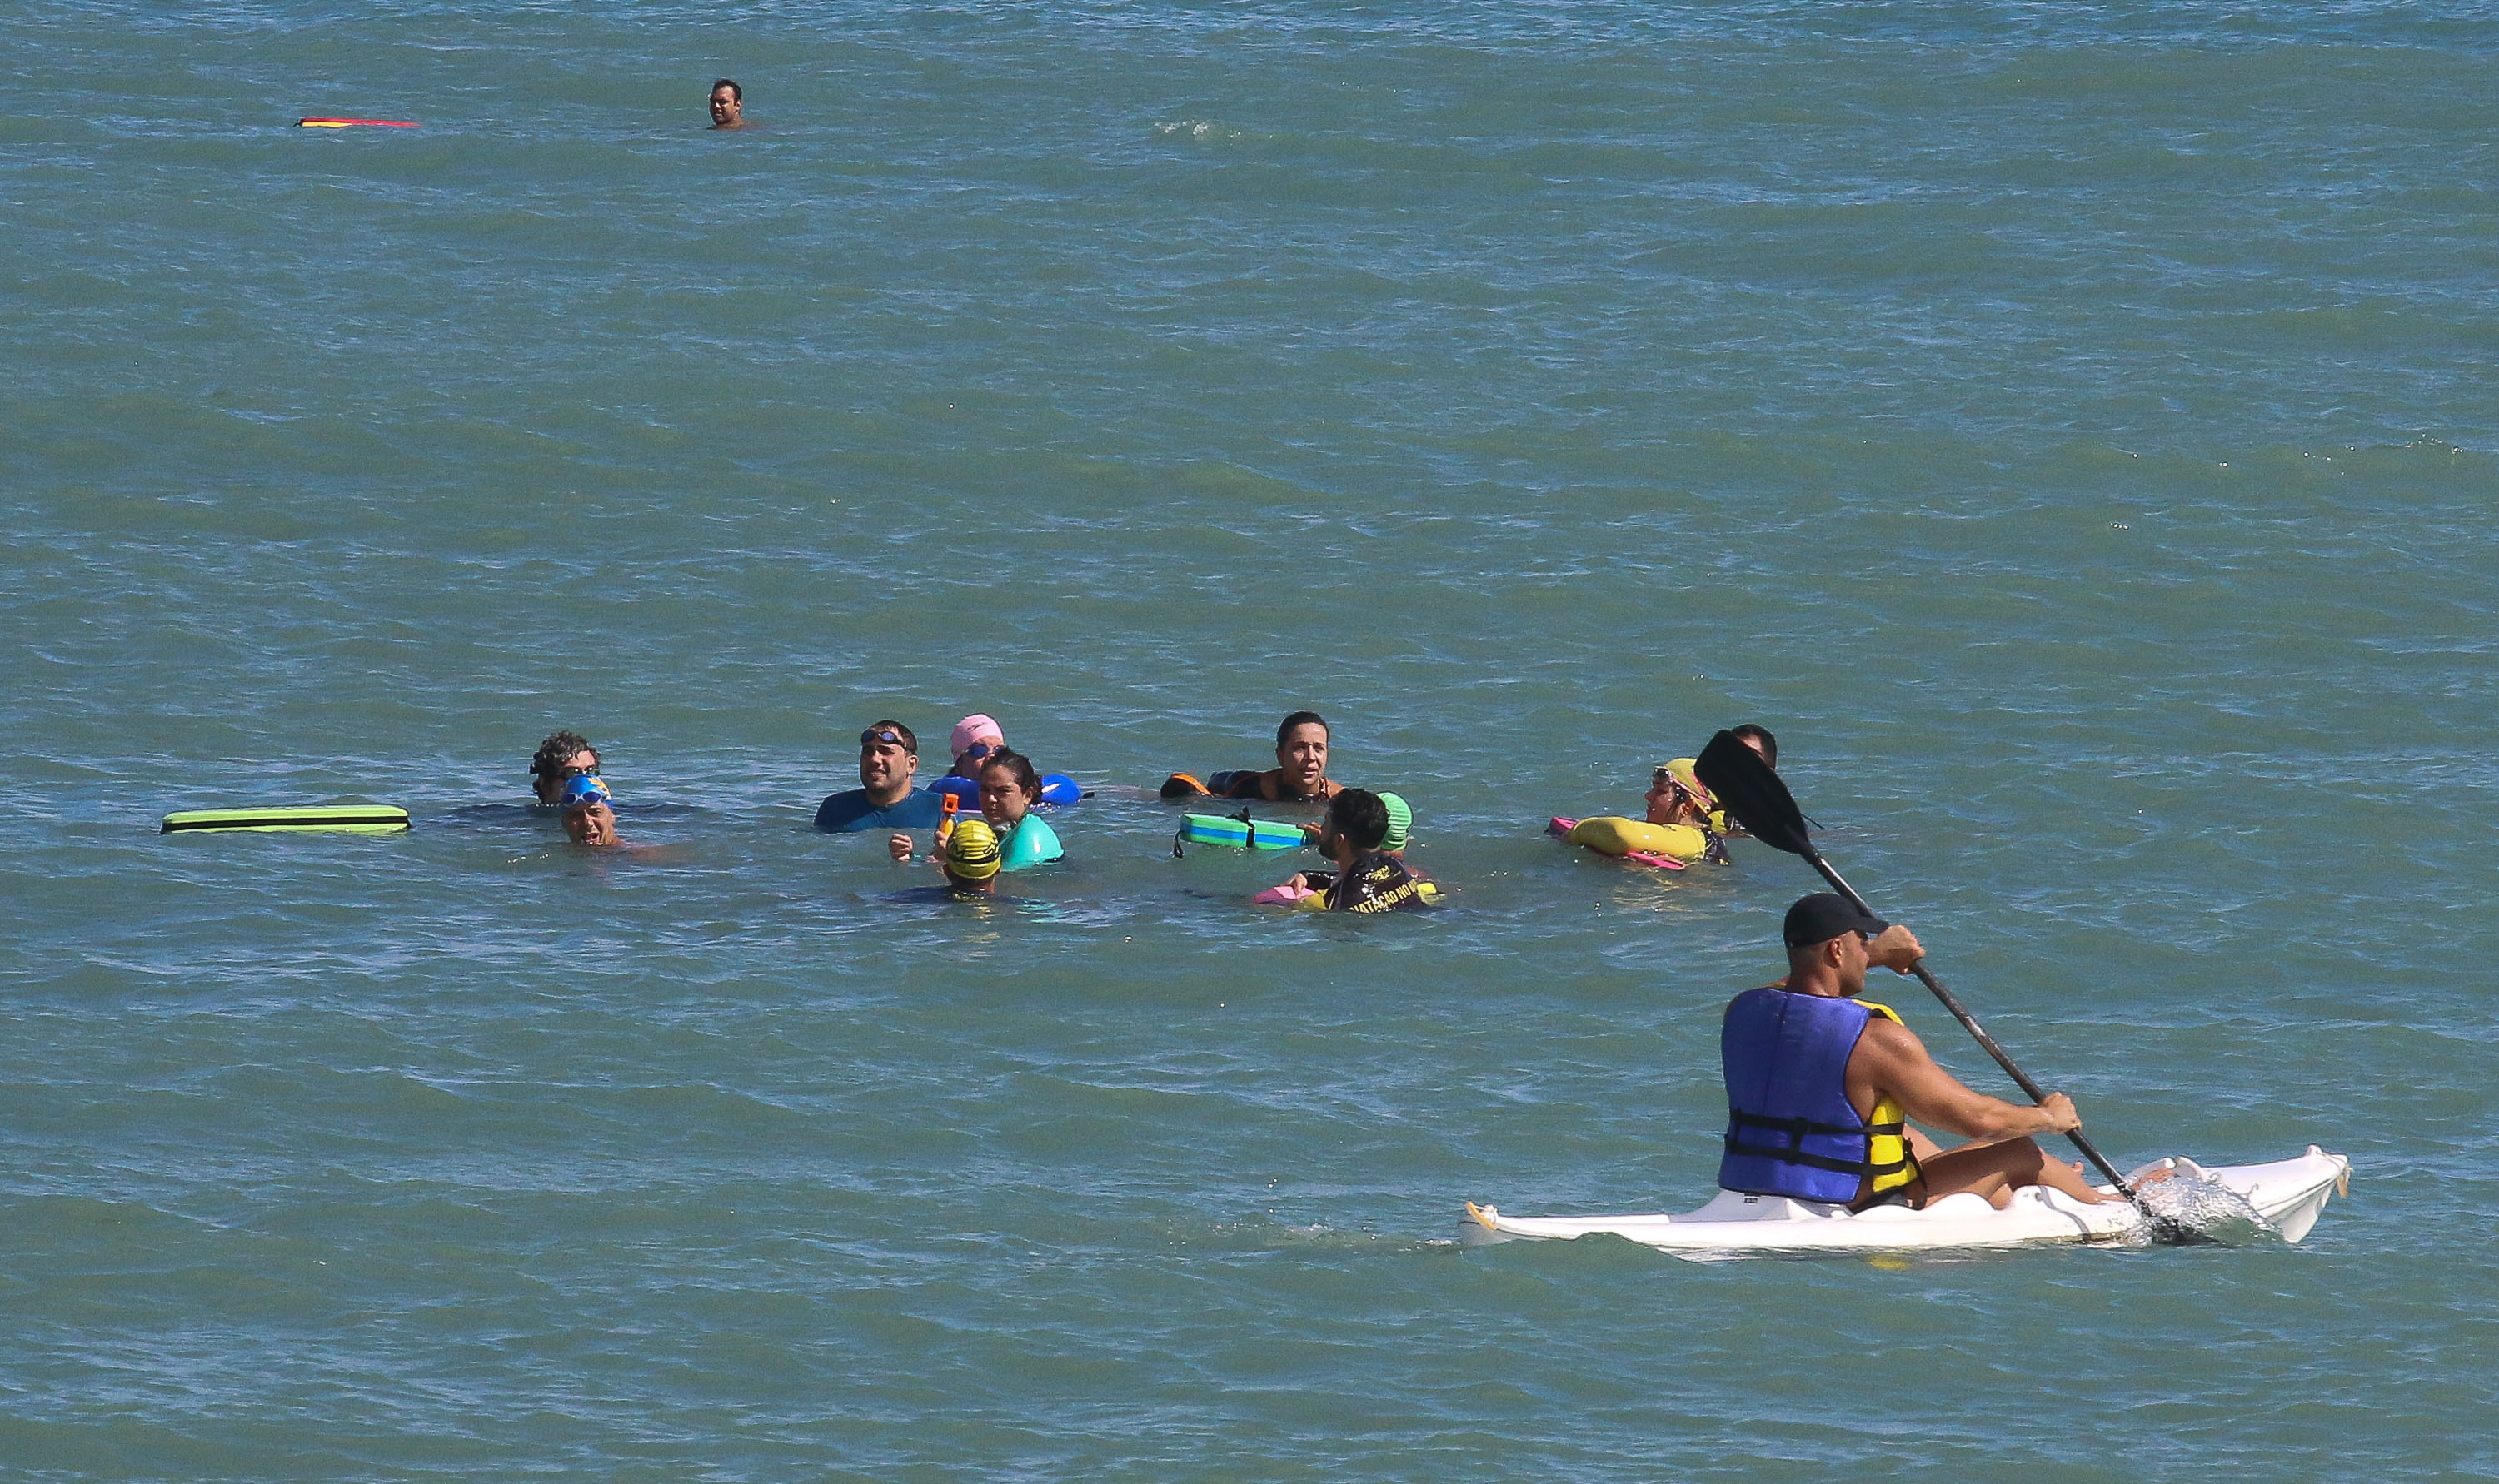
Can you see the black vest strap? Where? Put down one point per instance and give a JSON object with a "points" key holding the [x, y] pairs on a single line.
{"points": [[1797, 1130]]}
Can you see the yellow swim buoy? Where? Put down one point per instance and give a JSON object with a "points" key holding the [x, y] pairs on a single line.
{"points": [[1611, 835]]}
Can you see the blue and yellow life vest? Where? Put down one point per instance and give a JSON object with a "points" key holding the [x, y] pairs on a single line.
{"points": [[1790, 1128]]}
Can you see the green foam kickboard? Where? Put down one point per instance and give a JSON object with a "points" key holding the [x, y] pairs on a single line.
{"points": [[349, 818], [1254, 834]]}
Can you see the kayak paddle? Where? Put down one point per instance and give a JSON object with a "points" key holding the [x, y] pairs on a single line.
{"points": [[1747, 788]]}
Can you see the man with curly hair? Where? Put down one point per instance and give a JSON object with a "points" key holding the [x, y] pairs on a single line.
{"points": [[566, 755]]}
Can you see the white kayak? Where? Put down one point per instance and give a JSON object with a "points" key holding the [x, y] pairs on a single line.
{"points": [[2289, 1194]]}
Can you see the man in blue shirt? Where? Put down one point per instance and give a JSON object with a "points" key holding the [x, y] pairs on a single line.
{"points": [[889, 754]]}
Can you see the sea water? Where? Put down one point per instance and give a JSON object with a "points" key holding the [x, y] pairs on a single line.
{"points": [[2070, 428]]}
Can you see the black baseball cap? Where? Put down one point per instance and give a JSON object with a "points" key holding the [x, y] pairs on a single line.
{"points": [[1824, 915]]}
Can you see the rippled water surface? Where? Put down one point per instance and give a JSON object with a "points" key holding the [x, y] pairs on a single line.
{"points": [[2071, 429]]}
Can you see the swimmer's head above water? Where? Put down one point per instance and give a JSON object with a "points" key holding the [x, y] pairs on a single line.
{"points": [[889, 754], [589, 813], [565, 755], [1009, 787], [972, 856], [1302, 753], [975, 737], [1401, 821], [727, 105], [1676, 796]]}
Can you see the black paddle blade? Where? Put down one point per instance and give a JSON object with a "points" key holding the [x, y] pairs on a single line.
{"points": [[1745, 787]]}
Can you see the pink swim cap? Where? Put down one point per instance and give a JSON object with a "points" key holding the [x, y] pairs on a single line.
{"points": [[972, 728]]}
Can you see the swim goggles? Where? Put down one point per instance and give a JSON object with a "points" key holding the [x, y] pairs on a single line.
{"points": [[885, 734], [1677, 788], [586, 789], [980, 750]]}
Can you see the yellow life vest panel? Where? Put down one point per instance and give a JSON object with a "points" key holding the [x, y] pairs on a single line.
{"points": [[1887, 1140]]}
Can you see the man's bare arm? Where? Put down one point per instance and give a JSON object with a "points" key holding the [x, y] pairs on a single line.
{"points": [[1890, 1060]]}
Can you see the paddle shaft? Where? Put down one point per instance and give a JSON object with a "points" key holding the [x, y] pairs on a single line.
{"points": [[1969, 1023]]}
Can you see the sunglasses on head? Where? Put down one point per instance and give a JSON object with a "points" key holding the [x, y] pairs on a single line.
{"points": [[885, 734]]}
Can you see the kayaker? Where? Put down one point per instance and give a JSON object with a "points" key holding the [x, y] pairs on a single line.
{"points": [[1821, 1086]]}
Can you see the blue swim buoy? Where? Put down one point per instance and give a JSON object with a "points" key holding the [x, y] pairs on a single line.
{"points": [[1056, 789]]}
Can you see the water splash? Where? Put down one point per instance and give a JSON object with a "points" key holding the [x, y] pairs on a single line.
{"points": [[2187, 1205]]}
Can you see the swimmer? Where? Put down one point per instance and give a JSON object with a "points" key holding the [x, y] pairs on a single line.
{"points": [[1009, 788], [1299, 776], [1675, 796], [975, 737], [1765, 747], [972, 858], [589, 816], [565, 755], [889, 754], [1366, 878], [1400, 823], [727, 105]]}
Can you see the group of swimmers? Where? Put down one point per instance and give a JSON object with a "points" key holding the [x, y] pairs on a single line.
{"points": [[1822, 1086], [1362, 833]]}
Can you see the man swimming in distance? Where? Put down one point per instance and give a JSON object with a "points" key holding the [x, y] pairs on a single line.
{"points": [[727, 105]]}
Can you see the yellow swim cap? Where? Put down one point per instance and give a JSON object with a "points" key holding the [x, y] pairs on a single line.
{"points": [[1681, 770], [972, 851]]}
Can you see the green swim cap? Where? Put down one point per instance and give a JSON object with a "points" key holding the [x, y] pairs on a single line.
{"points": [[1401, 818]]}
